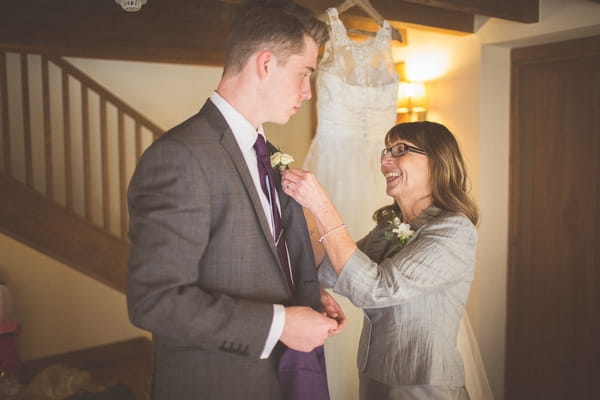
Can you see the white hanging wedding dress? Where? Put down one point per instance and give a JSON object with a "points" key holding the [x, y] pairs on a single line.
{"points": [[357, 88]]}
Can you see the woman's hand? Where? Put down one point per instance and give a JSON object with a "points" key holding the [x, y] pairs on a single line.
{"points": [[304, 187]]}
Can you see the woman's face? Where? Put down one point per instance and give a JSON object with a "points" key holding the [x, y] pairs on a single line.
{"points": [[407, 175]]}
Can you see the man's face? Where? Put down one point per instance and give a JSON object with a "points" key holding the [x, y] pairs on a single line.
{"points": [[289, 84]]}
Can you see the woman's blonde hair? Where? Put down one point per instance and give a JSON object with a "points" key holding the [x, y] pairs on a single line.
{"points": [[449, 181]]}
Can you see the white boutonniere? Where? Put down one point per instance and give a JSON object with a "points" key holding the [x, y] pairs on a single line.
{"points": [[398, 232], [281, 160]]}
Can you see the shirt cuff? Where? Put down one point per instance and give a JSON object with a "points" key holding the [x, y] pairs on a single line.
{"points": [[275, 331]]}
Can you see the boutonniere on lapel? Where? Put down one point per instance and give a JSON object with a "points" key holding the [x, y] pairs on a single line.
{"points": [[398, 232], [281, 160]]}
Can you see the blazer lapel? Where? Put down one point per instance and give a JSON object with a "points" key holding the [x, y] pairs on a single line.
{"points": [[231, 147]]}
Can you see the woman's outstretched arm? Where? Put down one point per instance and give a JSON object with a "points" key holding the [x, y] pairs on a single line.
{"points": [[304, 187]]}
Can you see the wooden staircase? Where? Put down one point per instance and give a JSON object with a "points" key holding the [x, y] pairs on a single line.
{"points": [[28, 216], [68, 147]]}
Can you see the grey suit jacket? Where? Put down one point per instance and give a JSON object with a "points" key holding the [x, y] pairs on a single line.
{"points": [[413, 299], [203, 269]]}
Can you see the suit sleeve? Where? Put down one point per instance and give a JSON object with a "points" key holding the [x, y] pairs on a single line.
{"points": [[170, 219]]}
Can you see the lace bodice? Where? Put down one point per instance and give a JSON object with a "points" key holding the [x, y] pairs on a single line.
{"points": [[368, 63]]}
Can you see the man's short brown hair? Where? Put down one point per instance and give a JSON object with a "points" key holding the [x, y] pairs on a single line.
{"points": [[275, 25]]}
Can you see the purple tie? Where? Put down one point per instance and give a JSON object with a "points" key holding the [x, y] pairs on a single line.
{"points": [[265, 172]]}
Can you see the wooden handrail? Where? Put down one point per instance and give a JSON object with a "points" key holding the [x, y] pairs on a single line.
{"points": [[110, 97], [58, 137]]}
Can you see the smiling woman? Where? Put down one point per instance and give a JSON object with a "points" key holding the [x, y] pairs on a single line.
{"points": [[418, 261]]}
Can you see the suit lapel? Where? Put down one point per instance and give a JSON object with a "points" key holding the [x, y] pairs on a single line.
{"points": [[297, 239], [285, 201], [306, 290], [231, 147]]}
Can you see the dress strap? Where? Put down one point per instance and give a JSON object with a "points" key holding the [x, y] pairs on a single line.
{"points": [[337, 33], [336, 26], [333, 14], [385, 31]]}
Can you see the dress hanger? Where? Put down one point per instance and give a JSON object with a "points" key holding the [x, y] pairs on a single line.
{"points": [[366, 6]]}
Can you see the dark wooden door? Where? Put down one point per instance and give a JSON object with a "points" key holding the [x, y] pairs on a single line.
{"points": [[553, 314]]}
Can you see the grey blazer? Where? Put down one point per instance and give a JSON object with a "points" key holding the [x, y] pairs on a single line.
{"points": [[412, 299], [203, 269]]}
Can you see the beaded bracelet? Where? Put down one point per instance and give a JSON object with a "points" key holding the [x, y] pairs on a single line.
{"points": [[337, 228]]}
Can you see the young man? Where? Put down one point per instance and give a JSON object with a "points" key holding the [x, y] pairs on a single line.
{"points": [[205, 274]]}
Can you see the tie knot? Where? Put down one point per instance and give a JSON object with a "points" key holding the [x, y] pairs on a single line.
{"points": [[261, 146]]}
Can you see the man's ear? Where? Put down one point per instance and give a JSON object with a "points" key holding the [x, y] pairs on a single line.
{"points": [[264, 61]]}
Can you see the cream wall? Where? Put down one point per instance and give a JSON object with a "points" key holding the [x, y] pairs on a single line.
{"points": [[453, 98], [60, 310]]}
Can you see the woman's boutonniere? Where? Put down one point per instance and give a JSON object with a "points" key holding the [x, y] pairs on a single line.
{"points": [[281, 160], [398, 232]]}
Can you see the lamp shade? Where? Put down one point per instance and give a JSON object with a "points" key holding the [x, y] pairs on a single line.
{"points": [[412, 97]]}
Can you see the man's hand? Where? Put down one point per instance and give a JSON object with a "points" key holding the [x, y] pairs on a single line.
{"points": [[333, 310], [305, 328]]}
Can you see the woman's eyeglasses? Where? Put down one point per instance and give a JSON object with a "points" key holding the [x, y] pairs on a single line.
{"points": [[400, 149]]}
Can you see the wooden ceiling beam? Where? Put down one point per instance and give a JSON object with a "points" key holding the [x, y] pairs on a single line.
{"points": [[435, 12], [526, 11], [192, 31], [174, 31], [407, 12]]}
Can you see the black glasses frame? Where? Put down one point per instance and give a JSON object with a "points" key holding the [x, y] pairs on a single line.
{"points": [[400, 149]]}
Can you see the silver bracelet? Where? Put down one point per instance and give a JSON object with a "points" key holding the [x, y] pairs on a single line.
{"points": [[337, 228]]}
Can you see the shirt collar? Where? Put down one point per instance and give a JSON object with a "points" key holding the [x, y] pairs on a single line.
{"points": [[243, 131]]}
